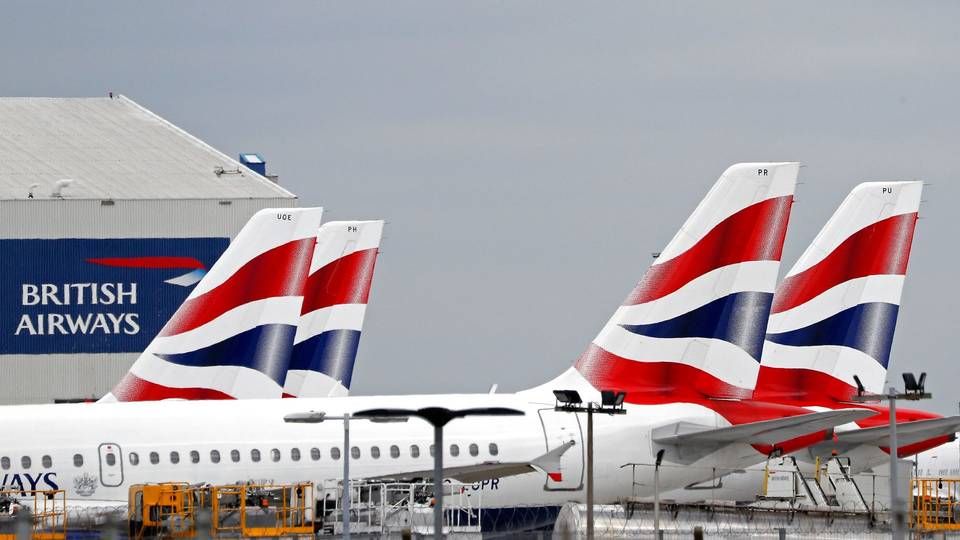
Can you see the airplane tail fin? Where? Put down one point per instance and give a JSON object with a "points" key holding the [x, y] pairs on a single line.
{"points": [[231, 338], [834, 314], [693, 327], [335, 301]]}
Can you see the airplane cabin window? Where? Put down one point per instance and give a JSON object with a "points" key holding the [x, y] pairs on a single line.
{"points": [[111, 459], [375, 452], [174, 457], [154, 458], [295, 454], [25, 462], [77, 461], [315, 454], [432, 453], [394, 451], [235, 455], [255, 455], [194, 456], [215, 456], [494, 450], [134, 458], [355, 453], [46, 461], [334, 453], [414, 451], [454, 450], [5, 462], [275, 454], [474, 449]]}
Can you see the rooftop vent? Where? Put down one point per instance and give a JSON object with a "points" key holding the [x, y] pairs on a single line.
{"points": [[254, 162], [59, 186]]}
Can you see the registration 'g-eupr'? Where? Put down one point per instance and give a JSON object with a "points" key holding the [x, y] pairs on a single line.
{"points": [[233, 335]]}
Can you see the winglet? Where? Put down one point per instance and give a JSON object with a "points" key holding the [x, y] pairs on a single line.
{"points": [[550, 462]]}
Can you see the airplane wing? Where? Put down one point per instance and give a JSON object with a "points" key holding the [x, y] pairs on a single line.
{"points": [[764, 432], [488, 470], [907, 432]]}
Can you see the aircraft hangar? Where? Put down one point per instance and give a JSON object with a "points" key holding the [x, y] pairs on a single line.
{"points": [[108, 215]]}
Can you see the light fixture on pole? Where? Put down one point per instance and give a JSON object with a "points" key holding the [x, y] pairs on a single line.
{"points": [[437, 417], [914, 391], [611, 402], [316, 417]]}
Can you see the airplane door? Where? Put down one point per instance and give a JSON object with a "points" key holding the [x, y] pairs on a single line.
{"points": [[111, 464], [558, 429]]}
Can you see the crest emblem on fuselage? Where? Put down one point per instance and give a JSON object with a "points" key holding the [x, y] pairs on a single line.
{"points": [[85, 485]]}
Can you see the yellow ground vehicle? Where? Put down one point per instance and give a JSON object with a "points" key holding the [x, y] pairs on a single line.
{"points": [[168, 509], [263, 510], [176, 510]]}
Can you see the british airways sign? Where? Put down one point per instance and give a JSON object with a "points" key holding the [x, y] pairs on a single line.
{"points": [[95, 295]]}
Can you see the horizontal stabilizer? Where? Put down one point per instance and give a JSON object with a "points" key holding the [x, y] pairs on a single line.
{"points": [[488, 470], [907, 432], [765, 432]]}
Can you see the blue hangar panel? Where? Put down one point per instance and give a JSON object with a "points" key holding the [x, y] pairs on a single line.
{"points": [[95, 295]]}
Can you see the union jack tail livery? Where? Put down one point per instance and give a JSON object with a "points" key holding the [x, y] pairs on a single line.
{"points": [[693, 327], [335, 300], [834, 314], [232, 337]]}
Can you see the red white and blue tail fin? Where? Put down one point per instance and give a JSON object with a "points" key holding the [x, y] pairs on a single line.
{"points": [[232, 337], [693, 327], [335, 301], [834, 314]]}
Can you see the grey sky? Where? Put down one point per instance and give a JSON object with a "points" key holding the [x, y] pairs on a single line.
{"points": [[529, 156]]}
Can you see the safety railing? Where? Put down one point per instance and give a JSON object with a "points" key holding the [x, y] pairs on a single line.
{"points": [[46, 511], [935, 504], [256, 511], [383, 508]]}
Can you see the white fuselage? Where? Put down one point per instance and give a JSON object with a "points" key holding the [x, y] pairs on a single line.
{"points": [[218, 442]]}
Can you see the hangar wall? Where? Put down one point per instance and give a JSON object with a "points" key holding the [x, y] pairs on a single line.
{"points": [[51, 243], [87, 279]]}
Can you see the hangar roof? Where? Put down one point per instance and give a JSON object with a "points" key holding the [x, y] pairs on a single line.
{"points": [[113, 148]]}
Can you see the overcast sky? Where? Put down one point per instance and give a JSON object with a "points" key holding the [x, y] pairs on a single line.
{"points": [[529, 157]]}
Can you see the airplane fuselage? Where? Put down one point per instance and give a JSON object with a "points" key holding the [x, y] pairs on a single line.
{"points": [[96, 451]]}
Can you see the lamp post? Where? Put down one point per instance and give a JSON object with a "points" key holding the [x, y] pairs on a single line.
{"points": [[314, 417], [437, 417], [656, 495], [914, 391], [611, 403]]}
